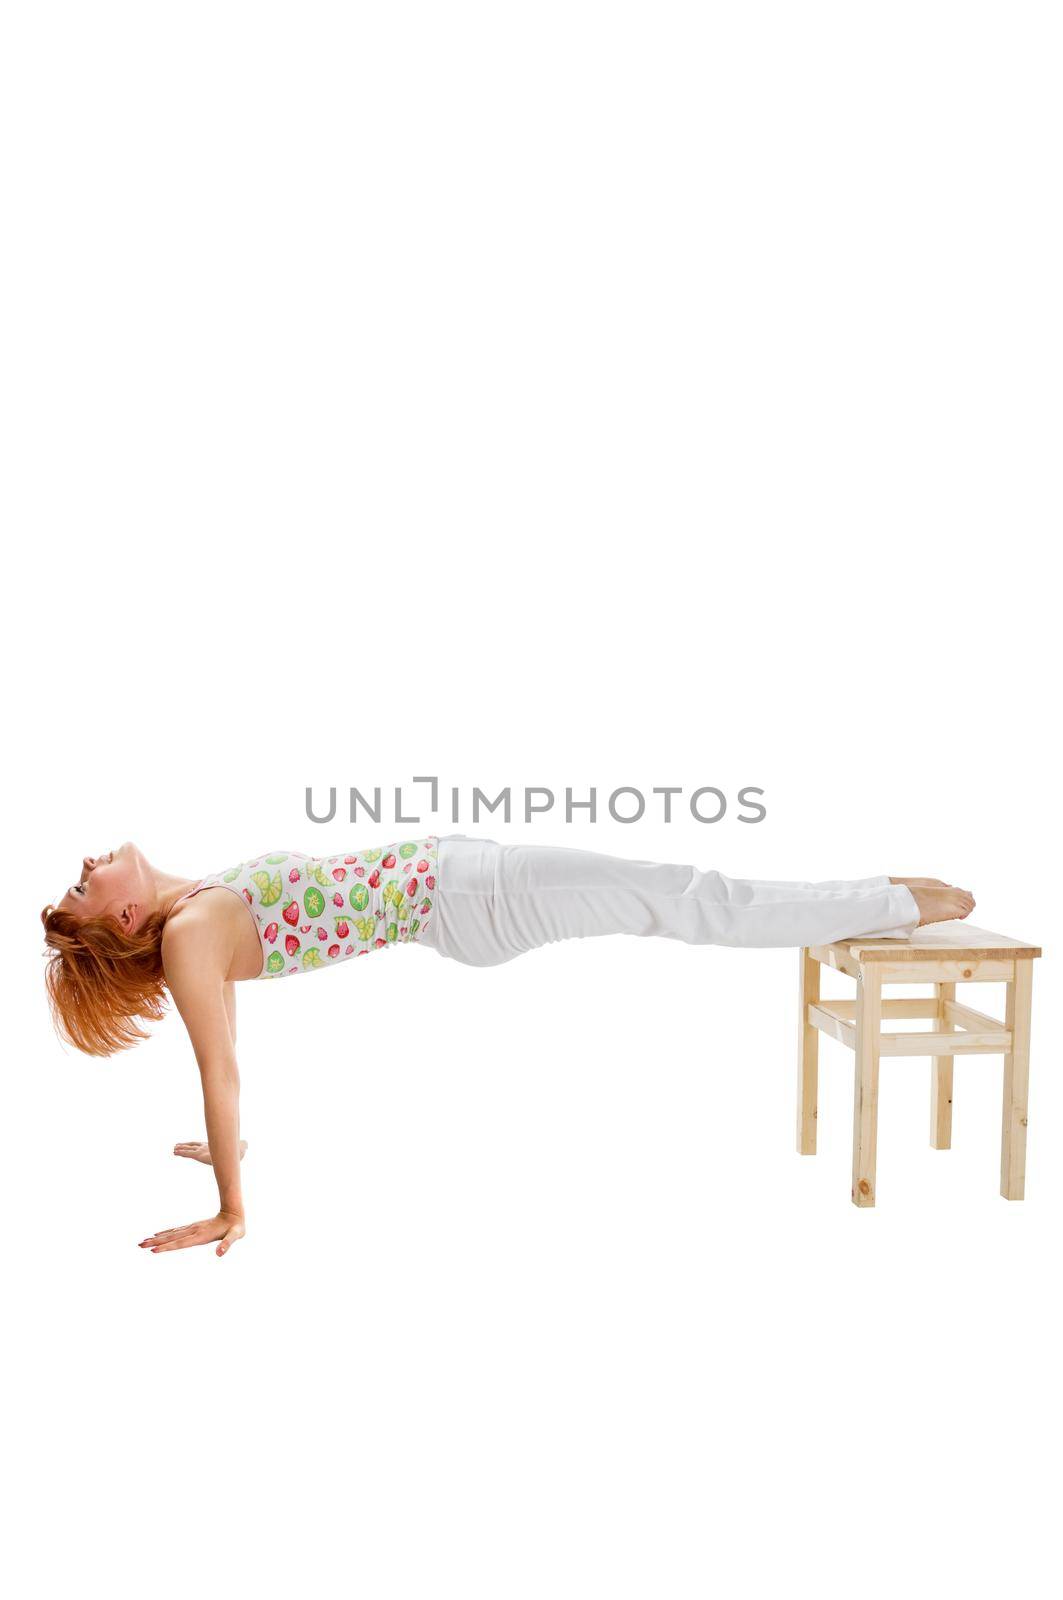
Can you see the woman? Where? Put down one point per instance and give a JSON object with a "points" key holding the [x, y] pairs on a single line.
{"points": [[125, 933]]}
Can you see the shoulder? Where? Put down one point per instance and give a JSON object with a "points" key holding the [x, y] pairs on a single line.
{"points": [[198, 937]]}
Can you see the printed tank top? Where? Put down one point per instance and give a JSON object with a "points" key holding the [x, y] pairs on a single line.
{"points": [[316, 911]]}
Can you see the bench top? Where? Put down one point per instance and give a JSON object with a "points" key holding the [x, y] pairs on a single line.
{"points": [[941, 941]]}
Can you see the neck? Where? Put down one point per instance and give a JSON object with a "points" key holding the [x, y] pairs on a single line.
{"points": [[168, 889]]}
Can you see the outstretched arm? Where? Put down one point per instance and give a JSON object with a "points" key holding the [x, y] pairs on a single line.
{"points": [[197, 1149], [229, 995], [195, 958]]}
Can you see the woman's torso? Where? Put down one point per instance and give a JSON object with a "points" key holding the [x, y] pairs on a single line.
{"points": [[310, 912]]}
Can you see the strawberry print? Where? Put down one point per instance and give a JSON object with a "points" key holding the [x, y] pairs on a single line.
{"points": [[384, 888]]}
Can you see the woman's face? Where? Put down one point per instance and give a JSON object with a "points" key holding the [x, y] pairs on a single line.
{"points": [[118, 884]]}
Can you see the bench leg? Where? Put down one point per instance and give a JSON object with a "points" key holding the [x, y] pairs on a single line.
{"points": [[807, 1058], [1016, 1084], [865, 1097], [941, 1078]]}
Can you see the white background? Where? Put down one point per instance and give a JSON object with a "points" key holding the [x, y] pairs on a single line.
{"points": [[568, 394]]}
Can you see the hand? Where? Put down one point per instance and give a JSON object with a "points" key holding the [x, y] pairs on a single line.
{"points": [[197, 1150], [226, 1228]]}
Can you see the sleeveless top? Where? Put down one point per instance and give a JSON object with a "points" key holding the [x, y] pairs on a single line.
{"points": [[316, 911]]}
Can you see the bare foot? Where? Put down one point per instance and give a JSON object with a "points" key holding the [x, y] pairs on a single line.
{"points": [[921, 883], [942, 903], [196, 1150]]}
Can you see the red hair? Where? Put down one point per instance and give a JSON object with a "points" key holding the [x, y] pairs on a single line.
{"points": [[101, 980]]}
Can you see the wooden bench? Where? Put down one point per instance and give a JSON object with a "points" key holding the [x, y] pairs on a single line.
{"points": [[943, 955]]}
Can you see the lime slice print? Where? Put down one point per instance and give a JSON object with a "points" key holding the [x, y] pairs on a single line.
{"points": [[313, 902], [359, 897], [319, 875], [393, 932], [414, 925], [312, 958], [407, 850], [371, 855], [366, 927], [275, 962], [269, 889], [230, 876], [275, 861]]}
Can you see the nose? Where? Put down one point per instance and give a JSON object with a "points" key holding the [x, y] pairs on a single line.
{"points": [[89, 863]]}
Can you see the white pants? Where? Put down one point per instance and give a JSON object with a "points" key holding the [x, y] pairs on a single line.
{"points": [[495, 901]]}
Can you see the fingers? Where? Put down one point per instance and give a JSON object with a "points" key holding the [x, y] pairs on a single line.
{"points": [[183, 1242], [156, 1238], [175, 1238]]}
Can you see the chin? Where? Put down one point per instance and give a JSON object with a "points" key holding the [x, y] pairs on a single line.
{"points": [[133, 857]]}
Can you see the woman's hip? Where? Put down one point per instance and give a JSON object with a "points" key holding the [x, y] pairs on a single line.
{"points": [[494, 901]]}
